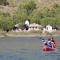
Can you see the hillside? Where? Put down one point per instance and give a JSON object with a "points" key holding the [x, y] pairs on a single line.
{"points": [[47, 3], [10, 6], [42, 12]]}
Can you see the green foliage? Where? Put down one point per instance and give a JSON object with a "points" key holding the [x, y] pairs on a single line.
{"points": [[27, 10], [6, 22], [30, 6], [36, 16], [27, 6]]}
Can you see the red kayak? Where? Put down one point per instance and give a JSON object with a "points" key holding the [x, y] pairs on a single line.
{"points": [[48, 49]]}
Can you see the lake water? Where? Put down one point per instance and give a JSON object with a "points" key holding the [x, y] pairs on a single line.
{"points": [[26, 48]]}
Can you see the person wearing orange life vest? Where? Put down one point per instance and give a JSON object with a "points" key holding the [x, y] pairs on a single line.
{"points": [[53, 43]]}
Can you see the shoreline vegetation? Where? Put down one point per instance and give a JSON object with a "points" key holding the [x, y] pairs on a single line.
{"points": [[28, 34], [36, 11]]}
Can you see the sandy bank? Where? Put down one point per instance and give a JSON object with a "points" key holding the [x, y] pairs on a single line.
{"points": [[27, 34]]}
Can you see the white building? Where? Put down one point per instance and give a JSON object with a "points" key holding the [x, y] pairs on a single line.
{"points": [[48, 28]]}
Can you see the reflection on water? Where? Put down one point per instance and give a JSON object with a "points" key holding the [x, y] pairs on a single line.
{"points": [[26, 48]]}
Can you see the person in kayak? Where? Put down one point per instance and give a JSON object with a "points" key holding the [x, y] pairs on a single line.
{"points": [[45, 47], [53, 43], [49, 43]]}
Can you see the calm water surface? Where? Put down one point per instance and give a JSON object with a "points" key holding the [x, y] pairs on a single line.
{"points": [[26, 48]]}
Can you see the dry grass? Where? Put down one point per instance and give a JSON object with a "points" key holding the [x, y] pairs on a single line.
{"points": [[46, 3], [40, 4]]}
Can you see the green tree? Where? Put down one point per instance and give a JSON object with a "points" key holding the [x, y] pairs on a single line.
{"points": [[27, 7], [6, 21]]}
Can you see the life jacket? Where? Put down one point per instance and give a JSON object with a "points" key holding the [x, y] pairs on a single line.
{"points": [[53, 45], [54, 42], [49, 44]]}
